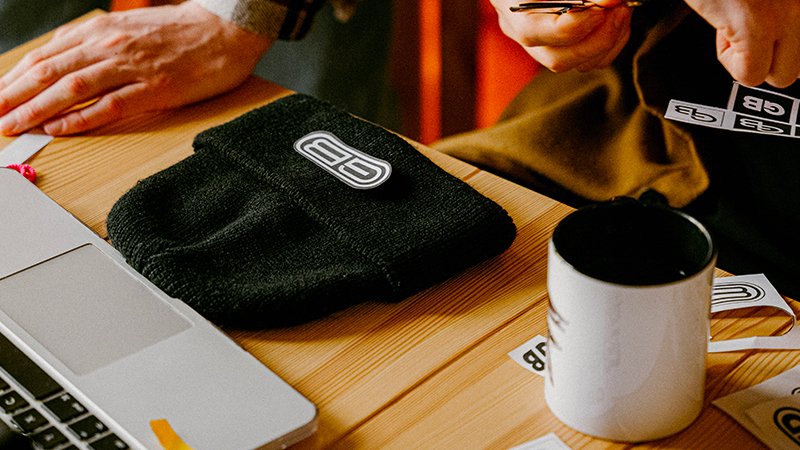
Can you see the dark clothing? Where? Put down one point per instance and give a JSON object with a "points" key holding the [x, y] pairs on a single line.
{"points": [[23, 20], [582, 137]]}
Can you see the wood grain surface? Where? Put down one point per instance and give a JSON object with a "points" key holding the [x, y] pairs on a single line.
{"points": [[431, 371]]}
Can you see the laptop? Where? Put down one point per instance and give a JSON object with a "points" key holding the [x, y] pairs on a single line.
{"points": [[91, 352]]}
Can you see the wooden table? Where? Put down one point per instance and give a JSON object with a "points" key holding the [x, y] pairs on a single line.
{"points": [[431, 371]]}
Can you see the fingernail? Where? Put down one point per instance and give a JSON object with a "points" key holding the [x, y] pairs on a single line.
{"points": [[8, 125]]}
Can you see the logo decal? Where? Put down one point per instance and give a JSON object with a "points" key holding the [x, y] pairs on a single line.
{"points": [[788, 420], [749, 110], [736, 292], [355, 168]]}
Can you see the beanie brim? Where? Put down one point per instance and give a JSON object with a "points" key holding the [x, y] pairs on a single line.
{"points": [[251, 233]]}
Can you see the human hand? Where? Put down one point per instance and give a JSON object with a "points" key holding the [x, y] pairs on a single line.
{"points": [[757, 41], [582, 40], [125, 63]]}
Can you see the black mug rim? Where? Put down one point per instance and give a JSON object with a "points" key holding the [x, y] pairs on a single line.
{"points": [[586, 212]]}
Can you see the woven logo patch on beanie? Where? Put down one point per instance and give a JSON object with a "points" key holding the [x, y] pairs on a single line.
{"points": [[353, 167]]}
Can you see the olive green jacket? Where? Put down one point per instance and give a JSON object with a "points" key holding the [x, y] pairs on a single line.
{"points": [[603, 134]]}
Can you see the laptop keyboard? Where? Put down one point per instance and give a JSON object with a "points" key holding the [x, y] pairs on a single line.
{"points": [[34, 404]]}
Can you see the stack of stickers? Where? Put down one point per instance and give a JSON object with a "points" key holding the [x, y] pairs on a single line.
{"points": [[749, 110]]}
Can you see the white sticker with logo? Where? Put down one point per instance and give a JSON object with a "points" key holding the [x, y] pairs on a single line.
{"points": [[351, 166], [531, 355], [750, 291], [780, 418], [749, 110], [770, 410]]}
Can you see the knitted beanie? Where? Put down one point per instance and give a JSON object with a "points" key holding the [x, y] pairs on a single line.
{"points": [[298, 209]]}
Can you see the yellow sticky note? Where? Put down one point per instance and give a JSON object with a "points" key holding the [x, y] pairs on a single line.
{"points": [[167, 436]]}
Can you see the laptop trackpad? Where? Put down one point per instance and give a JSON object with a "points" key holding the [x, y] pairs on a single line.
{"points": [[86, 310]]}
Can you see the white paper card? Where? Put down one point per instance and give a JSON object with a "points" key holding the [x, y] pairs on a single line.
{"points": [[780, 420], [769, 410], [546, 442], [749, 110], [706, 116], [22, 148], [749, 291], [531, 355]]}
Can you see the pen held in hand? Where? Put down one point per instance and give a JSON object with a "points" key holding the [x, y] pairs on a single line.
{"points": [[561, 7]]}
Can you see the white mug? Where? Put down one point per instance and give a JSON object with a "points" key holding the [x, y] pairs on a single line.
{"points": [[630, 299]]}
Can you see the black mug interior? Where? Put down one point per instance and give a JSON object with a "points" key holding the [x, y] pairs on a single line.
{"points": [[633, 243]]}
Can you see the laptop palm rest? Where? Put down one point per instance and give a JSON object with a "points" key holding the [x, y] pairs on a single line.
{"points": [[76, 320], [86, 310]]}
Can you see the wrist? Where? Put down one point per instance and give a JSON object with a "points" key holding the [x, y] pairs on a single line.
{"points": [[264, 17]]}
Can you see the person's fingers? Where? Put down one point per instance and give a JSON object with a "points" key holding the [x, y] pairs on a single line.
{"points": [[37, 55], [533, 29], [785, 67], [71, 90], [27, 67], [608, 3], [598, 46], [43, 75], [566, 29], [623, 32], [66, 38], [748, 61], [62, 31], [606, 59], [124, 102]]}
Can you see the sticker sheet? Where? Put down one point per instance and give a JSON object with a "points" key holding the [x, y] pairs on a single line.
{"points": [[769, 410], [749, 110]]}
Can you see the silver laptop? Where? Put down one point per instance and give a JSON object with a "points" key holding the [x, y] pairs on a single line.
{"points": [[91, 351]]}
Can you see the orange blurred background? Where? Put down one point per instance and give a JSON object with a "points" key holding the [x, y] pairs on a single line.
{"points": [[128, 4]]}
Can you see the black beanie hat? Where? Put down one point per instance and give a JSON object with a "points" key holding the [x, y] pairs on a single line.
{"points": [[251, 233]]}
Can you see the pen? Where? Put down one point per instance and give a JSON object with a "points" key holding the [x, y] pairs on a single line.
{"points": [[561, 7]]}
